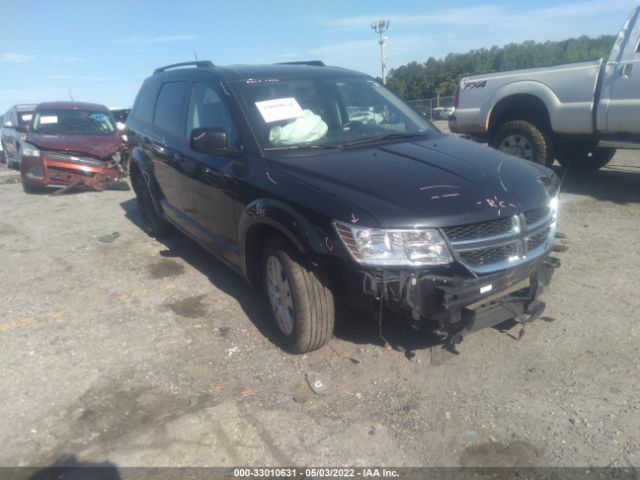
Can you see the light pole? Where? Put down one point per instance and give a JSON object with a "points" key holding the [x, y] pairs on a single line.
{"points": [[380, 28]]}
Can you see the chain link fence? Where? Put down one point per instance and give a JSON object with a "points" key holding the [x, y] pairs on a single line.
{"points": [[438, 108]]}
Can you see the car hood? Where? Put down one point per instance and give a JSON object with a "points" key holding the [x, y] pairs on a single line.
{"points": [[101, 146], [435, 182]]}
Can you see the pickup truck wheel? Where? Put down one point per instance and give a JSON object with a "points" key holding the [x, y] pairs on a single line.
{"points": [[300, 301], [523, 139], [152, 221], [585, 158]]}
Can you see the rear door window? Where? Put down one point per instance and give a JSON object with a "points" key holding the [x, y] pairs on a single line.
{"points": [[169, 114]]}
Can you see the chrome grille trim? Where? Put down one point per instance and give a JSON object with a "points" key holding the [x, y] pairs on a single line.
{"points": [[72, 158], [521, 244]]}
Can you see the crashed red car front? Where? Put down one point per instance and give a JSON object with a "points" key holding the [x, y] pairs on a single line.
{"points": [[69, 144]]}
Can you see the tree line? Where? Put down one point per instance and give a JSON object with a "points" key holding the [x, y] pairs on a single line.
{"points": [[434, 77]]}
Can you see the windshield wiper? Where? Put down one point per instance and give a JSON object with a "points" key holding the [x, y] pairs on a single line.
{"points": [[388, 136], [304, 146]]}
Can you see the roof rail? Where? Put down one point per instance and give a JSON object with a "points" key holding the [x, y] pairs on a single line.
{"points": [[199, 64], [315, 63]]}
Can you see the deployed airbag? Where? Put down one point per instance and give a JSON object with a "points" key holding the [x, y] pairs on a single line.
{"points": [[308, 128]]}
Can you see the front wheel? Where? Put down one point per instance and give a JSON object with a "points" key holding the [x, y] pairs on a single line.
{"points": [[586, 158], [300, 301], [523, 139]]}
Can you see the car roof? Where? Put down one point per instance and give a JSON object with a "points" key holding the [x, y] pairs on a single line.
{"points": [[71, 106], [255, 72]]}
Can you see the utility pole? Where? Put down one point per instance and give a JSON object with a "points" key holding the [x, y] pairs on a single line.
{"points": [[380, 28]]}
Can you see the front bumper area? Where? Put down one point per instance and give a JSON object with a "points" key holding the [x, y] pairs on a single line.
{"points": [[53, 169], [452, 303]]}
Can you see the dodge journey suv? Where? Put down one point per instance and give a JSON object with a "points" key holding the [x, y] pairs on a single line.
{"points": [[318, 185]]}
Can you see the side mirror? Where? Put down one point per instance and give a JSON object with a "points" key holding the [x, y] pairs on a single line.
{"points": [[211, 141]]}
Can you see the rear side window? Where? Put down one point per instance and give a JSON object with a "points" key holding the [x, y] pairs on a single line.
{"points": [[145, 101], [170, 107]]}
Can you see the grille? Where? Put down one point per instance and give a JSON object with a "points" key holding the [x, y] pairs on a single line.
{"points": [[66, 157], [477, 246], [538, 239], [63, 173], [479, 230], [533, 216], [487, 256]]}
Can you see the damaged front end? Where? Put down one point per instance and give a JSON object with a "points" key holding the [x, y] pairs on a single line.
{"points": [[70, 170], [454, 306], [498, 271]]}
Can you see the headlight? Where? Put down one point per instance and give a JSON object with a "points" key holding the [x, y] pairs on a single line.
{"points": [[29, 150], [372, 246], [553, 206]]}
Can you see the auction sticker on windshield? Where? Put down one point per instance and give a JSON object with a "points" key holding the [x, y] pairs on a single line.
{"points": [[48, 119], [279, 109]]}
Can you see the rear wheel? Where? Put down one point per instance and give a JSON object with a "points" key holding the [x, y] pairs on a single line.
{"points": [[524, 139], [152, 222], [586, 158], [300, 301]]}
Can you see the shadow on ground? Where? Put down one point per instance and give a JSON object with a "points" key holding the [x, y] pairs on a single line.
{"points": [[351, 326], [67, 468], [613, 184]]}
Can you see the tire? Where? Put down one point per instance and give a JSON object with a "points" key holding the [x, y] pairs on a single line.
{"points": [[585, 158], [306, 319], [152, 221], [30, 189], [524, 139]]}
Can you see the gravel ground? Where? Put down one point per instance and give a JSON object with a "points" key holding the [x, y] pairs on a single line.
{"points": [[120, 348]]}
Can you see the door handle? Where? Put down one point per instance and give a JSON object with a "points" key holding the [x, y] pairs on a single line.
{"points": [[216, 174], [626, 69]]}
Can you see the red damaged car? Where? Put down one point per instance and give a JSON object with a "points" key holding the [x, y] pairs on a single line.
{"points": [[71, 144]]}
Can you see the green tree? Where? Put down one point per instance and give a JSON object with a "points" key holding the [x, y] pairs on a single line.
{"points": [[416, 80]]}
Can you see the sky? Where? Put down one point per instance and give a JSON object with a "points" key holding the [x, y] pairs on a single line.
{"points": [[101, 51]]}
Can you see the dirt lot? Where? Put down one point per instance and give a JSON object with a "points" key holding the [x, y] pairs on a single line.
{"points": [[125, 349]]}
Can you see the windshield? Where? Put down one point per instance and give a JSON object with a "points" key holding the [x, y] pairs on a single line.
{"points": [[305, 113], [24, 118], [73, 122]]}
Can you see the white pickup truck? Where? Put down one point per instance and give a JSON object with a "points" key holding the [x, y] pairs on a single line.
{"points": [[577, 113]]}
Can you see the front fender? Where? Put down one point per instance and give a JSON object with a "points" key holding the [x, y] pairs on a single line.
{"points": [[308, 238]]}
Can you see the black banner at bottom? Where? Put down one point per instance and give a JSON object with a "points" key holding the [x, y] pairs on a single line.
{"points": [[112, 472]]}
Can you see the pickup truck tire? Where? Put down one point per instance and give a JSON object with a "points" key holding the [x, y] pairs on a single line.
{"points": [[152, 221], [300, 301], [585, 158], [523, 139]]}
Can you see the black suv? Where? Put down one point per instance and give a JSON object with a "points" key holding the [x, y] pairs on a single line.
{"points": [[320, 185], [14, 132]]}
